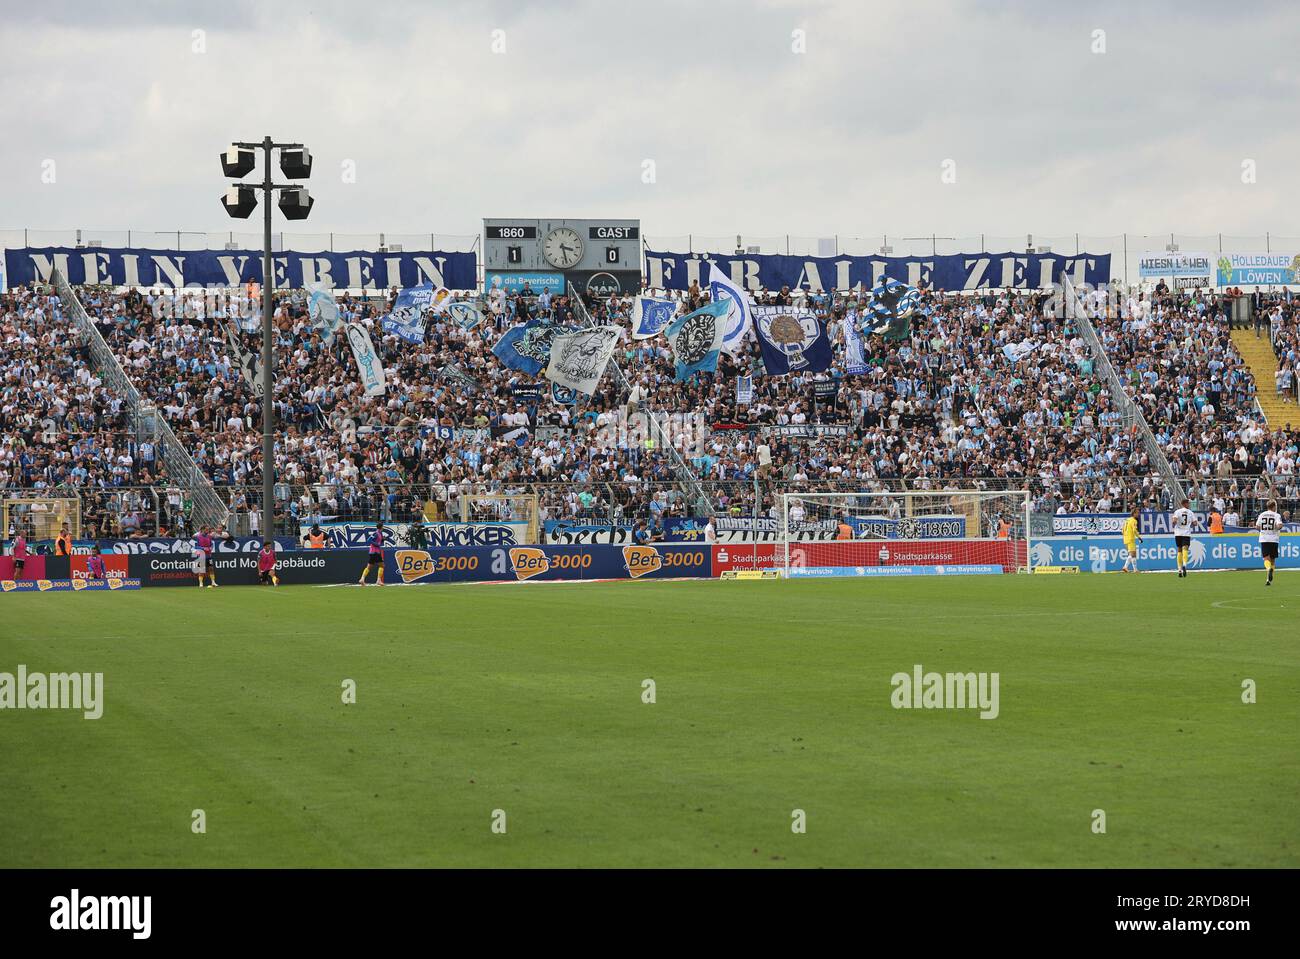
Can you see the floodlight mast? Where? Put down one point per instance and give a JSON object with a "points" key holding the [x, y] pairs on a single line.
{"points": [[299, 168]]}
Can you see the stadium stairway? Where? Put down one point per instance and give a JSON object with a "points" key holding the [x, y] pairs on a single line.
{"points": [[1257, 351]]}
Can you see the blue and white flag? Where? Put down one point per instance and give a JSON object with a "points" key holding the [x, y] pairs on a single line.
{"points": [[1016, 352], [562, 395], [696, 339], [528, 348], [739, 318], [323, 309], [465, 315], [369, 365], [407, 316], [744, 390], [578, 359], [650, 316], [793, 340], [855, 356], [888, 311]]}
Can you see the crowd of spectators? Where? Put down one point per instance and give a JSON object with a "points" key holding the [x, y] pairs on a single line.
{"points": [[996, 390]]}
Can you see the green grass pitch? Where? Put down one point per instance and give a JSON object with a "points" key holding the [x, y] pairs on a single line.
{"points": [[1118, 693]]}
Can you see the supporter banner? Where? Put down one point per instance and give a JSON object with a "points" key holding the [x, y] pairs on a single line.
{"points": [[369, 366], [766, 529], [542, 563], [1068, 524], [745, 556], [436, 535], [560, 531], [1257, 269], [359, 269], [238, 544], [744, 390], [792, 339], [1008, 554], [1107, 553], [1175, 265], [809, 431], [1192, 282], [249, 363], [957, 271]]}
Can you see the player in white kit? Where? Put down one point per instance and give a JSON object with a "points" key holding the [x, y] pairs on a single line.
{"points": [[1183, 520], [1269, 525]]}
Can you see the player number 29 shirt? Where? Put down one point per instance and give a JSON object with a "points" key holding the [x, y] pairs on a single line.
{"points": [[1184, 520], [1270, 525]]}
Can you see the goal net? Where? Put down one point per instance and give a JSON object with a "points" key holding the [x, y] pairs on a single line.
{"points": [[509, 509], [905, 533]]}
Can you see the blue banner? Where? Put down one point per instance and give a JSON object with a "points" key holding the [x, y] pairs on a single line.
{"points": [[1104, 554], [528, 348], [407, 316], [793, 340], [955, 271], [358, 269], [527, 563], [697, 339]]}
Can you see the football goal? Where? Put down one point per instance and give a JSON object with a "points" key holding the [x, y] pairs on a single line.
{"points": [[935, 532]]}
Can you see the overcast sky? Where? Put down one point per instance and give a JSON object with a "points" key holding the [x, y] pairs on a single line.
{"points": [[745, 134]]}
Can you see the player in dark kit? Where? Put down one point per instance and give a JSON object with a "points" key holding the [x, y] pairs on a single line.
{"points": [[375, 557]]}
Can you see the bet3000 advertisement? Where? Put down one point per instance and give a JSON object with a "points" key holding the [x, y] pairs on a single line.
{"points": [[528, 563]]}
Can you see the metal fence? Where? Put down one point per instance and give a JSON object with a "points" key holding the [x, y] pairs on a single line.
{"points": [[217, 240], [169, 510]]}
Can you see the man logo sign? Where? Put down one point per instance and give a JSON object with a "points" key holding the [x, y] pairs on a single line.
{"points": [[640, 560]]}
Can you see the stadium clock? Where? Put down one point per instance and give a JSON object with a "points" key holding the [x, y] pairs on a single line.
{"points": [[563, 248]]}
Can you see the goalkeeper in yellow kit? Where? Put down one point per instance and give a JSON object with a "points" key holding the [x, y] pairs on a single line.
{"points": [[1131, 540]]}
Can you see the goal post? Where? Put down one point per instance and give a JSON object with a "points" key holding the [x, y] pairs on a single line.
{"points": [[40, 518], [931, 532]]}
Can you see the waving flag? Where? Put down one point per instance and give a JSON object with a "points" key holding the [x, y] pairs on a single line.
{"points": [[855, 354], [528, 348], [890, 308], [650, 316], [250, 365], [407, 316], [697, 339], [369, 365], [578, 359], [793, 340], [323, 309], [739, 318], [465, 315]]}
